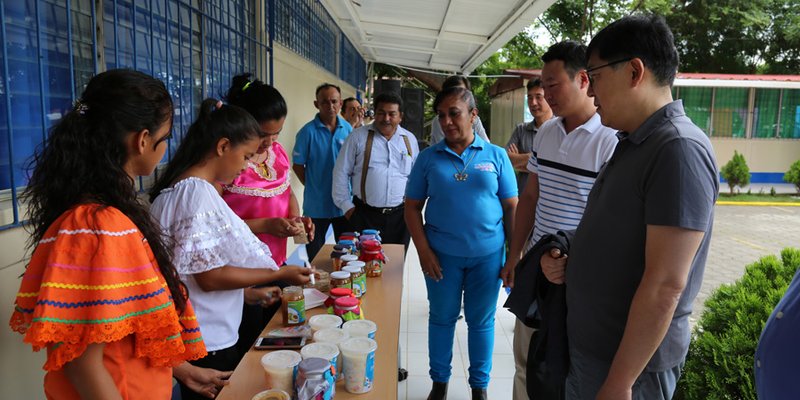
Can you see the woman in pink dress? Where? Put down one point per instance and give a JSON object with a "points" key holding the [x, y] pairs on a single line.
{"points": [[261, 195]]}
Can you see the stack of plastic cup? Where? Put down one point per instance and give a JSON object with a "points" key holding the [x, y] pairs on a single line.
{"points": [[281, 368], [358, 355]]}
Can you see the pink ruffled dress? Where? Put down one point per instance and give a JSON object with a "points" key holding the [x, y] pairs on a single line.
{"points": [[262, 191]]}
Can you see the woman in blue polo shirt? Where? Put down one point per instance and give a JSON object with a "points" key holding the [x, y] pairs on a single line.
{"points": [[471, 194]]}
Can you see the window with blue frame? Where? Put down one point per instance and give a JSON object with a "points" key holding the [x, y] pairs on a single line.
{"points": [[306, 28], [48, 56]]}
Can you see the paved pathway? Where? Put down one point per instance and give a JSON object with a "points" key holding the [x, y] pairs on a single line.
{"points": [[742, 235]]}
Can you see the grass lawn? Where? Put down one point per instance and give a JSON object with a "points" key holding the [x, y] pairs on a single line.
{"points": [[743, 197]]}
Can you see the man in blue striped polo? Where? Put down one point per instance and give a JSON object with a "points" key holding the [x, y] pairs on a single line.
{"points": [[568, 153]]}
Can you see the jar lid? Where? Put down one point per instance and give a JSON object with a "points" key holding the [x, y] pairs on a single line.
{"points": [[339, 275], [331, 335], [351, 269], [360, 327], [347, 243], [292, 290], [272, 394], [371, 245], [359, 264], [370, 232], [281, 359], [354, 234], [340, 291], [314, 365], [346, 302], [338, 247], [349, 257]]}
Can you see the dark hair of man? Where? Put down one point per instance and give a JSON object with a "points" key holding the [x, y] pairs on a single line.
{"points": [[262, 101], [325, 86], [347, 100], [212, 124], [534, 83], [458, 92], [571, 53], [455, 81], [643, 36], [82, 160], [388, 98]]}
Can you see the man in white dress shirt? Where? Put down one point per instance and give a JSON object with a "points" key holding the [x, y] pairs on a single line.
{"points": [[375, 161]]}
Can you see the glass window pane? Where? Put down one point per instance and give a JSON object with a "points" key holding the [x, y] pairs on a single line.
{"points": [[765, 113], [790, 114], [730, 112], [697, 103]]}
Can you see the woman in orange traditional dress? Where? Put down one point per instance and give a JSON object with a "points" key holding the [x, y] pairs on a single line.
{"points": [[101, 294]]}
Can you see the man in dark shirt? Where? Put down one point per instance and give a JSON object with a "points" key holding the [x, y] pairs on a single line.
{"points": [[637, 259]]}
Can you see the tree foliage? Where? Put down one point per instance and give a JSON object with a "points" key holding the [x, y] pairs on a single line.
{"points": [[737, 36], [793, 175], [736, 171]]}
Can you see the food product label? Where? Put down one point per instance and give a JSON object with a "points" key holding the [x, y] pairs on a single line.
{"points": [[296, 311]]}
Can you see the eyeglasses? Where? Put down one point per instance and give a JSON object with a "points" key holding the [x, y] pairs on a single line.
{"points": [[590, 70]]}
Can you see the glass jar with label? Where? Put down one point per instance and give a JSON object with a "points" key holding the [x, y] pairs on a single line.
{"points": [[336, 254], [372, 255], [323, 283], [361, 280], [357, 276], [293, 306], [341, 279], [335, 294]]}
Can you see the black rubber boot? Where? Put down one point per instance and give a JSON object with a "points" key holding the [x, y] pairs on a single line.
{"points": [[479, 394], [438, 391]]}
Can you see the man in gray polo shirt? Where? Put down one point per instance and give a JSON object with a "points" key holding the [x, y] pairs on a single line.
{"points": [[636, 262], [521, 142]]}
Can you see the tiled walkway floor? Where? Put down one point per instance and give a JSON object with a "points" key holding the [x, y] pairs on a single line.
{"points": [[414, 344]]}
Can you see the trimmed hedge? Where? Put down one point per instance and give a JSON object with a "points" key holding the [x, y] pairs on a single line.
{"points": [[720, 360]]}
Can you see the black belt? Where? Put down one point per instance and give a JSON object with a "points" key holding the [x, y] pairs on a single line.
{"points": [[381, 210]]}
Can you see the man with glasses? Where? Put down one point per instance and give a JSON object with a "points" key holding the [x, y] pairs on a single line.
{"points": [[636, 261], [567, 154], [375, 162]]}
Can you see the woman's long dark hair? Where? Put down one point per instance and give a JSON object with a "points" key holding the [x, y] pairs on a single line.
{"points": [[262, 101], [83, 157], [213, 123]]}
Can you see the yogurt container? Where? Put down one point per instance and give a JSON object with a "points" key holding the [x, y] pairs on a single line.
{"points": [[328, 351], [281, 368], [323, 321], [333, 336], [360, 328], [358, 355], [272, 394]]}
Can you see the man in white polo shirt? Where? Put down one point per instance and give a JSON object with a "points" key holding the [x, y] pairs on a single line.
{"points": [[568, 153]]}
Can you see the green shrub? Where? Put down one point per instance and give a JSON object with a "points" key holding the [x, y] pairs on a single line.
{"points": [[793, 175], [720, 360], [736, 171]]}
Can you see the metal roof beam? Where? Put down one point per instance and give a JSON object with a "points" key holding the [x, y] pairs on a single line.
{"points": [[398, 47], [442, 29], [414, 32]]}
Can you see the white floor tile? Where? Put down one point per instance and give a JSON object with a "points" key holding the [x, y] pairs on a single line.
{"points": [[417, 342], [401, 390], [458, 389], [503, 366], [501, 388], [418, 387], [502, 346], [418, 364]]}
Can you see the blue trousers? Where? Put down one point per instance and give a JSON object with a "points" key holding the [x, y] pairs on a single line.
{"points": [[477, 279]]}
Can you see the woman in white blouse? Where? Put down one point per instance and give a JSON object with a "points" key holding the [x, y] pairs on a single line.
{"points": [[216, 254]]}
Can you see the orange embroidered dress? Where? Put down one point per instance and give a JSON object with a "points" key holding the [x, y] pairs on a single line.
{"points": [[94, 279]]}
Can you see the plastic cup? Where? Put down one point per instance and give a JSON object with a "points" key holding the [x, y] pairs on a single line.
{"points": [[333, 336], [360, 328], [281, 369], [358, 355], [272, 394], [324, 321], [328, 351]]}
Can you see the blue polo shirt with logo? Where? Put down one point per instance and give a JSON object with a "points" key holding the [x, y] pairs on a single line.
{"points": [[463, 217], [317, 148]]}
